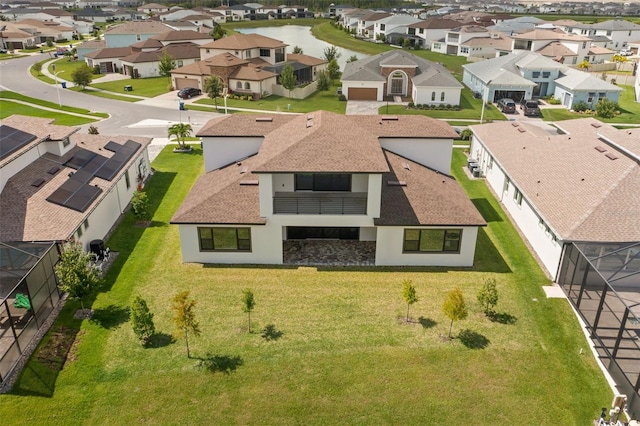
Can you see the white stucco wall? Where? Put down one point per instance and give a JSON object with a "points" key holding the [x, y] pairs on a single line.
{"points": [[19, 163], [432, 153], [389, 249], [423, 95], [219, 152]]}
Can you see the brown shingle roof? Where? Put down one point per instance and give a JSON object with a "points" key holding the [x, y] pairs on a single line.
{"points": [[252, 73], [185, 35], [109, 52], [305, 59], [579, 192], [139, 27], [196, 68], [245, 41], [429, 197], [331, 143], [225, 60]]}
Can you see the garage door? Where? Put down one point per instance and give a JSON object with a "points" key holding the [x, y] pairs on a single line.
{"points": [[362, 94], [181, 83]]}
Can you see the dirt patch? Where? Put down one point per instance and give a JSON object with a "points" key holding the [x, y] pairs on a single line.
{"points": [[60, 348]]}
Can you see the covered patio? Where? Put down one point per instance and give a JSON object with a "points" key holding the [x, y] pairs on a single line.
{"points": [[329, 252]]}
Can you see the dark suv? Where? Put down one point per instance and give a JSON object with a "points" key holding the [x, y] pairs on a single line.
{"points": [[530, 108], [507, 106], [188, 92]]}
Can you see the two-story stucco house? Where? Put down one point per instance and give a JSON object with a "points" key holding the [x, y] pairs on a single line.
{"points": [[276, 185], [132, 32]]}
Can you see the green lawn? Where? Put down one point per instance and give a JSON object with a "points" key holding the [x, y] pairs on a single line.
{"points": [[8, 108], [5, 94], [145, 87], [65, 67], [340, 353], [327, 101]]}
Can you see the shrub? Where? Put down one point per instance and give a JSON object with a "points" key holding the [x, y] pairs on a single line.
{"points": [[142, 320], [605, 108], [342, 98], [580, 106], [93, 130], [410, 105], [140, 205]]}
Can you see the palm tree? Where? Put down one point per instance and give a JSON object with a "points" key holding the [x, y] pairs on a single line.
{"points": [[584, 65], [181, 131]]}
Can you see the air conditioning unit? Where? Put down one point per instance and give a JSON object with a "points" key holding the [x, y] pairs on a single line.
{"points": [[476, 172]]}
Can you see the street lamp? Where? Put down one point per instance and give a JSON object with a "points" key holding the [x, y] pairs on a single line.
{"points": [[485, 95], [55, 77]]}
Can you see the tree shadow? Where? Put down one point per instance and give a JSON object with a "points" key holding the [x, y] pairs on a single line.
{"points": [[427, 322], [502, 317], [472, 339], [270, 332], [220, 363], [160, 340], [110, 317]]}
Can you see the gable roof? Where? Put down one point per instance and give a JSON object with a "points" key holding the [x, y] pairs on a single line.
{"points": [[138, 27], [109, 52], [507, 69], [575, 187], [176, 50], [436, 24], [184, 35], [579, 80], [326, 142], [244, 41], [427, 73]]}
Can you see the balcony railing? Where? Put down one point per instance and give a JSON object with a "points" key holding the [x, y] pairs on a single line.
{"points": [[354, 203]]}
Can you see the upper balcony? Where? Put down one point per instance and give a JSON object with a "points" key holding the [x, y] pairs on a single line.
{"points": [[323, 203]]}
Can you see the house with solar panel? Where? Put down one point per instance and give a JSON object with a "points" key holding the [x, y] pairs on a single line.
{"points": [[59, 185], [324, 188], [56, 185]]}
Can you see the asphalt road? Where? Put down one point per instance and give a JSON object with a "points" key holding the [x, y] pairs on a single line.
{"points": [[127, 118]]}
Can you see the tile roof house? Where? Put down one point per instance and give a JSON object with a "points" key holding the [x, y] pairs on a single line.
{"points": [[58, 184], [132, 32], [249, 64], [620, 32], [528, 75], [579, 184], [274, 180], [399, 73]]}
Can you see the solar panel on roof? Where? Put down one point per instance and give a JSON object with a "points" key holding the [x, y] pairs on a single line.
{"points": [[80, 158], [12, 140], [83, 198], [111, 168], [112, 146]]}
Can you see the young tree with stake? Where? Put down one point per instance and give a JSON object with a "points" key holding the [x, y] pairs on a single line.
{"points": [[488, 296], [77, 274], [213, 87], [409, 294], [454, 307]]}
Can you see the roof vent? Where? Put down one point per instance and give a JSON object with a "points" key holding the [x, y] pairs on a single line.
{"points": [[600, 148], [611, 156], [514, 124], [596, 125], [310, 117], [521, 130], [390, 118], [53, 170], [37, 183], [406, 166], [243, 170], [397, 183], [309, 124], [264, 119], [249, 182]]}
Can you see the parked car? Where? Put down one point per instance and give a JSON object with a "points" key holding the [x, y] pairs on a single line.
{"points": [[3, 50], [530, 109], [507, 105], [188, 92], [626, 52]]}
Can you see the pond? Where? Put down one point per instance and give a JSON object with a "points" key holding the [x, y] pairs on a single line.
{"points": [[297, 35]]}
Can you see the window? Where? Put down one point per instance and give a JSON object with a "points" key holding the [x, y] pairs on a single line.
{"points": [[265, 53], [397, 82], [590, 97], [584, 44], [432, 240], [442, 97], [138, 37], [280, 54], [224, 239], [433, 96], [86, 224], [490, 166], [517, 196], [546, 74], [65, 142], [239, 85], [180, 63], [505, 187], [127, 181], [247, 53], [464, 50], [247, 85], [535, 74], [382, 27], [80, 232], [323, 182], [436, 46], [601, 96]]}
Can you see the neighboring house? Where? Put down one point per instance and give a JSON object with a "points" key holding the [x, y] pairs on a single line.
{"points": [[95, 15], [399, 73], [247, 64], [108, 59], [392, 28], [429, 30], [576, 186], [336, 11], [132, 32], [620, 32], [366, 22], [147, 64], [569, 49], [44, 31], [600, 55], [454, 40], [577, 86], [12, 37], [58, 184], [153, 8], [274, 183], [530, 75], [519, 25], [87, 47]]}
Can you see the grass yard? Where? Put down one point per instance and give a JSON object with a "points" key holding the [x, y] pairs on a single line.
{"points": [[145, 87], [8, 108], [5, 94], [327, 101], [338, 351], [65, 67]]}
